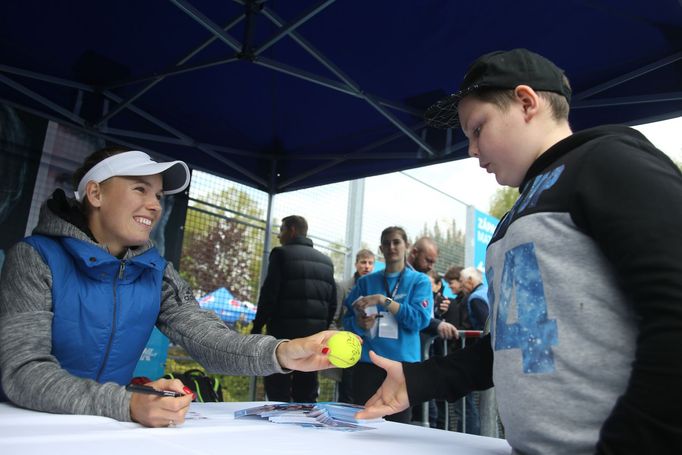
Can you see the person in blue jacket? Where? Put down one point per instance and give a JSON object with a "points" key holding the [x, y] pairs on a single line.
{"points": [[387, 309], [476, 300], [80, 297]]}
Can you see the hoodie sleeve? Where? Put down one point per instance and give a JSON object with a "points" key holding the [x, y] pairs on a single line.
{"points": [[453, 376], [31, 376], [629, 201], [207, 339]]}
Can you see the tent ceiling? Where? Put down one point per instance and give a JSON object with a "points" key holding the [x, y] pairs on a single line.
{"points": [[282, 95]]}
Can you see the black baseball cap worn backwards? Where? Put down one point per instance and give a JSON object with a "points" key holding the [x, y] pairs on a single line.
{"points": [[500, 70]]}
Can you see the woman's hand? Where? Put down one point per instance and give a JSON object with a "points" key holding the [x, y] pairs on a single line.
{"points": [[306, 354], [367, 301], [154, 411], [364, 318]]}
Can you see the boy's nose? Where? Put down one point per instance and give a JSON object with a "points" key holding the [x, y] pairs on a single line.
{"points": [[473, 150]]}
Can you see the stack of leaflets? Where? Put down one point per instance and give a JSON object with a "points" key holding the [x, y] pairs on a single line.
{"points": [[330, 415], [346, 412]]}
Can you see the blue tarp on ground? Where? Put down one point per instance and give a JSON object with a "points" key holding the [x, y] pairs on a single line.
{"points": [[229, 309], [153, 359]]}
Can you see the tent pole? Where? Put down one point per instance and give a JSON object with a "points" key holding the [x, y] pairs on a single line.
{"points": [[356, 199], [266, 252], [267, 244]]}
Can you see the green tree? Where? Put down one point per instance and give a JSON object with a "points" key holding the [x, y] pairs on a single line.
{"points": [[219, 258], [223, 244], [230, 203], [502, 201]]}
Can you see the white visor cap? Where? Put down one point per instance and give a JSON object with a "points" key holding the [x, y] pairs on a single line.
{"points": [[175, 173]]}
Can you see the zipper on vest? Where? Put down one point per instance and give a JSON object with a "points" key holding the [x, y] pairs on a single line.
{"points": [[118, 276]]}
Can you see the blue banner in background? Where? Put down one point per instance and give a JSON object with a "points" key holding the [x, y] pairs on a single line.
{"points": [[484, 227]]}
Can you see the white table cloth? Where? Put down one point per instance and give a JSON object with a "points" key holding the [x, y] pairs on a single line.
{"points": [[212, 429]]}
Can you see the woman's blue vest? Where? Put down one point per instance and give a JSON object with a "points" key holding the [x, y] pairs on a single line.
{"points": [[104, 308]]}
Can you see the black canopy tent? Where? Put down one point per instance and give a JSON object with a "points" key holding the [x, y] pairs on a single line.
{"points": [[284, 95]]}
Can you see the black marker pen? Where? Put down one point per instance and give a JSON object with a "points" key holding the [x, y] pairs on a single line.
{"points": [[138, 388]]}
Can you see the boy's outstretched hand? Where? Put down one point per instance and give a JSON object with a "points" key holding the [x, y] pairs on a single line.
{"points": [[391, 396]]}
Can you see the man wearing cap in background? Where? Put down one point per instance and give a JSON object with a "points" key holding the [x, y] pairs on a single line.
{"points": [[584, 274], [80, 297]]}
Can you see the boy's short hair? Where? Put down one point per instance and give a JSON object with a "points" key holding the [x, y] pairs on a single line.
{"points": [[504, 71], [502, 98]]}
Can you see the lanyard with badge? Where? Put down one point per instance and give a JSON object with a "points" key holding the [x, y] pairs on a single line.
{"points": [[388, 326], [393, 293]]}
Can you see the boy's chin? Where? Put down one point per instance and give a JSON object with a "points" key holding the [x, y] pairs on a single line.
{"points": [[506, 181]]}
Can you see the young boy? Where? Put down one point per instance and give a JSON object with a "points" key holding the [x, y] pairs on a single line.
{"points": [[585, 275]]}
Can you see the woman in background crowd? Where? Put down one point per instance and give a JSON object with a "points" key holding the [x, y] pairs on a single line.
{"points": [[388, 309]]}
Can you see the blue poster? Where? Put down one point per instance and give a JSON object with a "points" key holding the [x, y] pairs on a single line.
{"points": [[153, 359], [484, 227]]}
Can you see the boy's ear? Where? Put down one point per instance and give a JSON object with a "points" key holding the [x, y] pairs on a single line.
{"points": [[529, 99], [93, 192]]}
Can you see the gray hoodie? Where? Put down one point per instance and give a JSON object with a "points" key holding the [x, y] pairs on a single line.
{"points": [[31, 375]]}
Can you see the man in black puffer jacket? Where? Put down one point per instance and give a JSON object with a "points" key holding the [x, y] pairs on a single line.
{"points": [[298, 297]]}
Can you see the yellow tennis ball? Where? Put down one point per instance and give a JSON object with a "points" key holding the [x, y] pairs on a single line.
{"points": [[344, 349]]}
